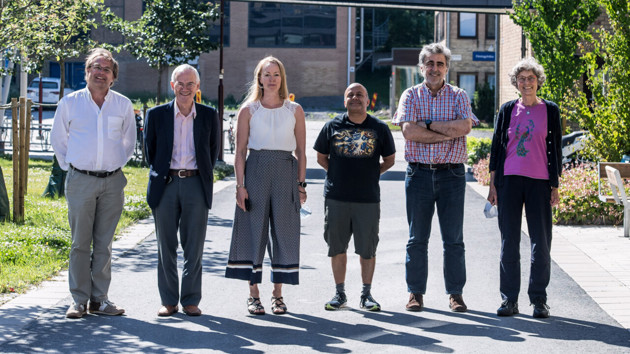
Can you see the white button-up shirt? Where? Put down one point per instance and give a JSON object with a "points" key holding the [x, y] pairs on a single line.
{"points": [[92, 138]]}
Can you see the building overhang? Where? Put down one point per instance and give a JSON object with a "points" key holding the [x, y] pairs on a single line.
{"points": [[401, 57], [484, 6]]}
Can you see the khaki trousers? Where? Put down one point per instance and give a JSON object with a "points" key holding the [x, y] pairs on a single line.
{"points": [[94, 208]]}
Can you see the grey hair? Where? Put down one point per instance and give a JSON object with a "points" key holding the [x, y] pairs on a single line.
{"points": [[528, 64], [435, 48], [182, 68]]}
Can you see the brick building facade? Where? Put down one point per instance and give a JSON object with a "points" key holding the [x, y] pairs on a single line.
{"points": [[311, 71], [471, 38]]}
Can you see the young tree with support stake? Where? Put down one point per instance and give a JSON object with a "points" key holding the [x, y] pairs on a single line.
{"points": [[169, 32]]}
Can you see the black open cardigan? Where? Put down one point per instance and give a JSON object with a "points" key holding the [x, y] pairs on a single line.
{"points": [[554, 142]]}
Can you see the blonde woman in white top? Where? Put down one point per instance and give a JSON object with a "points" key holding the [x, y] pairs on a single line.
{"points": [[270, 185]]}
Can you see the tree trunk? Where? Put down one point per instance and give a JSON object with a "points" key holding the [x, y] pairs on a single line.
{"points": [[160, 69], [62, 70]]}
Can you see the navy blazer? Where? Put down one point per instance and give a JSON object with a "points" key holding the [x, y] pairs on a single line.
{"points": [[158, 143]]}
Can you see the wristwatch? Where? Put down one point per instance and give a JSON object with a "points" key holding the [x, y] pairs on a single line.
{"points": [[302, 184], [428, 123]]}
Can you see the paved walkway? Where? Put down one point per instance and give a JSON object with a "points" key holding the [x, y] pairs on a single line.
{"points": [[588, 293]]}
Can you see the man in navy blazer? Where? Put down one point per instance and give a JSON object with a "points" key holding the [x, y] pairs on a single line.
{"points": [[182, 142]]}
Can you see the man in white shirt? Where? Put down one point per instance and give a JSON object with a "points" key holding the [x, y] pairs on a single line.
{"points": [[93, 135]]}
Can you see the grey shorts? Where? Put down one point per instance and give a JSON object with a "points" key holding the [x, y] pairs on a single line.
{"points": [[343, 219]]}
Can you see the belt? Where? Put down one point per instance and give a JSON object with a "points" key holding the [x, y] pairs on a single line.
{"points": [[96, 174], [183, 173], [436, 166]]}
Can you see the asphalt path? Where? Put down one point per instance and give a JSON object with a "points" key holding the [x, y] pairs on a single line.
{"points": [[577, 325]]}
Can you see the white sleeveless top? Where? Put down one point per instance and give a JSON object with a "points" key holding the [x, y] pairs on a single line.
{"points": [[272, 129]]}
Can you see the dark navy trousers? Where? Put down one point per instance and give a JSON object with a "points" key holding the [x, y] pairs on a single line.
{"points": [[535, 195]]}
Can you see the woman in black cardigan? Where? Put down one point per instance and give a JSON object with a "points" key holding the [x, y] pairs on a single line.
{"points": [[525, 164]]}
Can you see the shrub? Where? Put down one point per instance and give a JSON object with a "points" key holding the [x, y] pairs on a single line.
{"points": [[579, 203], [481, 171], [477, 148]]}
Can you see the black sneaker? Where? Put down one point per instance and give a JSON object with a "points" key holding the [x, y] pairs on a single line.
{"points": [[337, 301], [541, 309], [367, 302], [508, 308]]}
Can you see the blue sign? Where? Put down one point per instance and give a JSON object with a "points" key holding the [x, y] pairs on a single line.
{"points": [[483, 56]]}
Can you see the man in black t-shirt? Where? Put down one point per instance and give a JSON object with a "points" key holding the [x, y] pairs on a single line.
{"points": [[349, 148]]}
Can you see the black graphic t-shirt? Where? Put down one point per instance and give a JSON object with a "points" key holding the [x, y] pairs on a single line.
{"points": [[354, 158]]}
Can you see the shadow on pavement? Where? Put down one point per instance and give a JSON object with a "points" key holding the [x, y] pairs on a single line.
{"points": [[511, 329]]}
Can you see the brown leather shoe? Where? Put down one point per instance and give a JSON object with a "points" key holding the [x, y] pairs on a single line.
{"points": [[168, 310], [415, 302], [456, 303], [192, 310]]}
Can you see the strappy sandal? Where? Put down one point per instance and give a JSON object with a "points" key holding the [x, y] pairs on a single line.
{"points": [[254, 306], [278, 307]]}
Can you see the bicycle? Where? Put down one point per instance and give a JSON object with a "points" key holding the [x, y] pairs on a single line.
{"points": [[138, 151], [231, 138]]}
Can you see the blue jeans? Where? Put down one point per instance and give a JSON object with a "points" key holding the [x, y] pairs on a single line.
{"points": [[425, 189]]}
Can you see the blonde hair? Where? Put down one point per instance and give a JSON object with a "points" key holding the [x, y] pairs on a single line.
{"points": [[255, 91]]}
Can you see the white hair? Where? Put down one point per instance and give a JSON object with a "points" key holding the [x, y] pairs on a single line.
{"points": [[182, 68]]}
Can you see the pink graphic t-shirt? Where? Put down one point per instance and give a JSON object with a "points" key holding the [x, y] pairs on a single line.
{"points": [[526, 148]]}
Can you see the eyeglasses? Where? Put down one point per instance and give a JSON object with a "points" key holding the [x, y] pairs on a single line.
{"points": [[189, 85], [100, 68], [523, 79]]}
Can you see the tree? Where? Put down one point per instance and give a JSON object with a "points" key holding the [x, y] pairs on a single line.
{"points": [[169, 32], [555, 28], [483, 102], [607, 116], [58, 29], [409, 28], [13, 13]]}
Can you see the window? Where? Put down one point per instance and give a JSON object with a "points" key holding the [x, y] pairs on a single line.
{"points": [[468, 82], [284, 25], [215, 31], [491, 21], [467, 25], [439, 26], [490, 80]]}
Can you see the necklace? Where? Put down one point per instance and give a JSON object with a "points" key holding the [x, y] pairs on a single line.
{"points": [[528, 107]]}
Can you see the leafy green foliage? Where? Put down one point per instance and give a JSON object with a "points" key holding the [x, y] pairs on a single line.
{"points": [[13, 13], [607, 117], [483, 103], [56, 29], [554, 28], [396, 28], [478, 148], [408, 28], [170, 32]]}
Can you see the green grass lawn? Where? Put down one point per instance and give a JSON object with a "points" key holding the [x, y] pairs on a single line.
{"points": [[39, 248]]}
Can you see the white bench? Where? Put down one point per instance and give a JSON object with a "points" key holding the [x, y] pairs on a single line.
{"points": [[614, 171]]}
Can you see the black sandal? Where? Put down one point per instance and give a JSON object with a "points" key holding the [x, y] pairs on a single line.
{"points": [[278, 307], [254, 306]]}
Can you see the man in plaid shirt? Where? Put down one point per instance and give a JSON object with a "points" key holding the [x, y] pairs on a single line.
{"points": [[435, 118]]}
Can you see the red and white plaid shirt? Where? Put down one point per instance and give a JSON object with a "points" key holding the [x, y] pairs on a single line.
{"points": [[417, 104]]}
